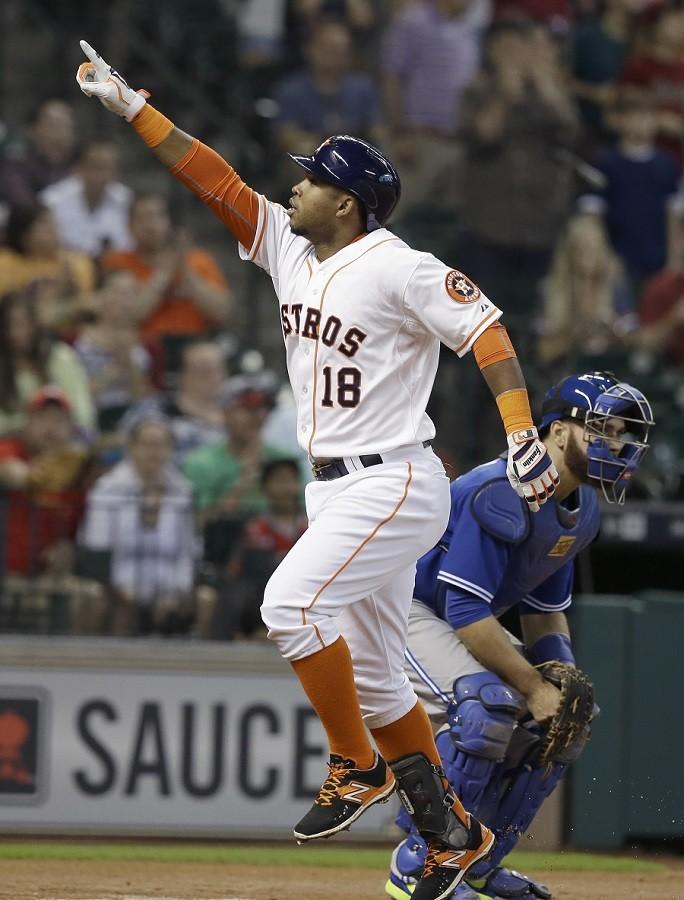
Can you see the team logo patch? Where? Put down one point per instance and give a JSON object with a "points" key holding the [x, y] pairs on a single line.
{"points": [[562, 545], [460, 288]]}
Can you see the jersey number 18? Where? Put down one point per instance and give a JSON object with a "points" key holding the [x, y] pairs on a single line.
{"points": [[348, 387]]}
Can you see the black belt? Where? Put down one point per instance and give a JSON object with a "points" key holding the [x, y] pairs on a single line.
{"points": [[331, 469]]}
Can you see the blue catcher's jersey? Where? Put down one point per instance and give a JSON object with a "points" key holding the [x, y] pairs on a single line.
{"points": [[496, 554]]}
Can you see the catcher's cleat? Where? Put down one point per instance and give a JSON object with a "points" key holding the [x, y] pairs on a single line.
{"points": [[502, 884], [345, 795], [446, 867]]}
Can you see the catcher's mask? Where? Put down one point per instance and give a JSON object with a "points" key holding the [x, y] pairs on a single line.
{"points": [[597, 399]]}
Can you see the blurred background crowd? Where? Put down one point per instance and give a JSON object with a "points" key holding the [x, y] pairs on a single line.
{"points": [[150, 475]]}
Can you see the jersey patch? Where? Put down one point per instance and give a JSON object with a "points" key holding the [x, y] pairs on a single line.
{"points": [[460, 288], [500, 512], [562, 545]]}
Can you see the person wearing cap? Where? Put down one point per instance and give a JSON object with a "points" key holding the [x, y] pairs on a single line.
{"points": [[225, 475], [45, 470], [479, 684]]}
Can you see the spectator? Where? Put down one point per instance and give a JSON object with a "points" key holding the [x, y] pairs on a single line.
{"points": [[640, 182], [46, 157], [225, 474], [600, 45], [266, 539], [430, 53], [33, 258], [141, 511], [182, 289], [302, 17], [116, 363], [661, 308], [656, 70], [326, 98], [30, 358], [91, 206], [44, 471], [192, 409], [516, 194], [588, 304]]}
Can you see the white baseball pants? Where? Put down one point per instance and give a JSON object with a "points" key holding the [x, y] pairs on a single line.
{"points": [[352, 573]]}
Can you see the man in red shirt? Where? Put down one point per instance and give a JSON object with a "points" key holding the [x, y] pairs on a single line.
{"points": [[42, 475]]}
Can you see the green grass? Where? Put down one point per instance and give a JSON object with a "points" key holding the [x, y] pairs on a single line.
{"points": [[327, 857]]}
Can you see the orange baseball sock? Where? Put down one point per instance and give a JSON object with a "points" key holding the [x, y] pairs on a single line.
{"points": [[412, 734], [328, 681]]}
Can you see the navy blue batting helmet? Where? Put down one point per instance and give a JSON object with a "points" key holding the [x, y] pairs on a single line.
{"points": [[360, 168], [595, 399]]}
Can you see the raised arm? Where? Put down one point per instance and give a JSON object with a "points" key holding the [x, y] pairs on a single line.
{"points": [[197, 166]]}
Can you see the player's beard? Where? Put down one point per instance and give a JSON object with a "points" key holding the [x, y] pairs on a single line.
{"points": [[576, 460]]}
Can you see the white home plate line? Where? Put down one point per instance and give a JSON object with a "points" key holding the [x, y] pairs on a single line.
{"points": [[142, 897]]}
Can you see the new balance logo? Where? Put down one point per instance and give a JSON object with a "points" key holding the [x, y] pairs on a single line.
{"points": [[452, 862], [356, 795]]}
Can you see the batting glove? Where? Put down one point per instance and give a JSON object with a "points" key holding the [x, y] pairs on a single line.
{"points": [[530, 469], [97, 79]]}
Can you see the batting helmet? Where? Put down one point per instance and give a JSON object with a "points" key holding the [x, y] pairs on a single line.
{"points": [[358, 167], [594, 399]]}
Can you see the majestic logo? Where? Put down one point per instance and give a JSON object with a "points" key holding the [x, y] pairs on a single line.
{"points": [[460, 288], [22, 727], [562, 545]]}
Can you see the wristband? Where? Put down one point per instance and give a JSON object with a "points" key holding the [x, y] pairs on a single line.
{"points": [[514, 407], [493, 346], [552, 646], [152, 126]]}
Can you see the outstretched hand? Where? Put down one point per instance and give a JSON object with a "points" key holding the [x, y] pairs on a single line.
{"points": [[97, 78]]}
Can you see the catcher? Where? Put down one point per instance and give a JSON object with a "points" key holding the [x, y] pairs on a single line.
{"points": [[511, 716]]}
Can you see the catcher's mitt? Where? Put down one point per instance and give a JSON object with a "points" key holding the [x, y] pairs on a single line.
{"points": [[576, 709]]}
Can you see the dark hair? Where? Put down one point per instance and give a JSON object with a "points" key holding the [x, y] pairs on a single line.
{"points": [[39, 350], [20, 221], [143, 196], [272, 466]]}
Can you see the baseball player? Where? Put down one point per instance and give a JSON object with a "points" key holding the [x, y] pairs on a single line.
{"points": [[362, 316], [478, 683]]}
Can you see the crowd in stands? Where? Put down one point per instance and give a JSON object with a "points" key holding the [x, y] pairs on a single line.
{"points": [[150, 480]]}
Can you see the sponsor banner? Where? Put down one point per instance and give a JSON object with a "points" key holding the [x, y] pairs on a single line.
{"points": [[156, 751]]}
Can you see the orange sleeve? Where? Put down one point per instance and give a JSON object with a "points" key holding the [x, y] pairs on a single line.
{"points": [[219, 186], [492, 346]]}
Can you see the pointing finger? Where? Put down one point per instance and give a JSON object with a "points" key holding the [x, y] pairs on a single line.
{"points": [[101, 66]]}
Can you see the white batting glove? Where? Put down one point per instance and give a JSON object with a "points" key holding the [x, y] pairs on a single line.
{"points": [[530, 469], [97, 79]]}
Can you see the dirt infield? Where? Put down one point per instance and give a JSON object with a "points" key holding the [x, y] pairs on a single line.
{"points": [[97, 880]]}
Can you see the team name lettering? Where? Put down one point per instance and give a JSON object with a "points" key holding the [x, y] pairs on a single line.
{"points": [[309, 324]]}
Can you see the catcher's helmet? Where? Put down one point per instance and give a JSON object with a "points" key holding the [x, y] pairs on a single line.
{"points": [[357, 167], [594, 399]]}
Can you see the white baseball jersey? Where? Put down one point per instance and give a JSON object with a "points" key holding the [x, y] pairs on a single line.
{"points": [[362, 332]]}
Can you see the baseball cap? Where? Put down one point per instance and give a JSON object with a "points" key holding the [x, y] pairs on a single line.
{"points": [[49, 394], [249, 392]]}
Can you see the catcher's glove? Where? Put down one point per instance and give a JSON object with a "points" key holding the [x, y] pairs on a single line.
{"points": [[570, 724]]}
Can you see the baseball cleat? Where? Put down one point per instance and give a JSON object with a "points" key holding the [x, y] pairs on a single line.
{"points": [[445, 867], [502, 884], [344, 796]]}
